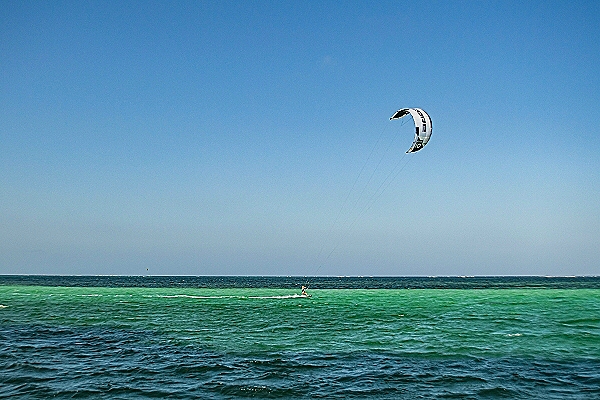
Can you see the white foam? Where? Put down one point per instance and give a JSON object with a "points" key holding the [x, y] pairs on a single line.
{"points": [[291, 296]]}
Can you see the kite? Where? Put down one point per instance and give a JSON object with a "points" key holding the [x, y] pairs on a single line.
{"points": [[423, 126]]}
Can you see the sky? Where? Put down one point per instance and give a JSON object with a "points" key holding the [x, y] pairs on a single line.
{"points": [[253, 138]]}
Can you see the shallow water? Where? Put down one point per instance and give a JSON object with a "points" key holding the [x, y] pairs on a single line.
{"points": [[225, 340]]}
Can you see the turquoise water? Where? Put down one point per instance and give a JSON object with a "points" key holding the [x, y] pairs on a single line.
{"points": [[177, 341]]}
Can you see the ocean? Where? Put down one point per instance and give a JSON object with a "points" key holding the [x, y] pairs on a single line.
{"points": [[117, 337]]}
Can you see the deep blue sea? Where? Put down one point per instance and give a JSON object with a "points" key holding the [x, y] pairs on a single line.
{"points": [[117, 337]]}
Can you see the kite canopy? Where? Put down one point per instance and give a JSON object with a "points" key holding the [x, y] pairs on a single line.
{"points": [[423, 126]]}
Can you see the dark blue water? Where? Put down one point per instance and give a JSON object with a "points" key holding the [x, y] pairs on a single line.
{"points": [[321, 282]]}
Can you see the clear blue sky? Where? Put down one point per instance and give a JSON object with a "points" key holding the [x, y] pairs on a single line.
{"points": [[215, 137]]}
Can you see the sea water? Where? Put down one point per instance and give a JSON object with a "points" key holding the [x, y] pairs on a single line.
{"points": [[236, 337]]}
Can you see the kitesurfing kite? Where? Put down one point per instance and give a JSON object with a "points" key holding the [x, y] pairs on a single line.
{"points": [[423, 126]]}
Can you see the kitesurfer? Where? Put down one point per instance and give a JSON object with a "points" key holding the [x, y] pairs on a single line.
{"points": [[304, 291]]}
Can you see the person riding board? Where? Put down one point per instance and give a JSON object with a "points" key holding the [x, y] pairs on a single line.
{"points": [[304, 291]]}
